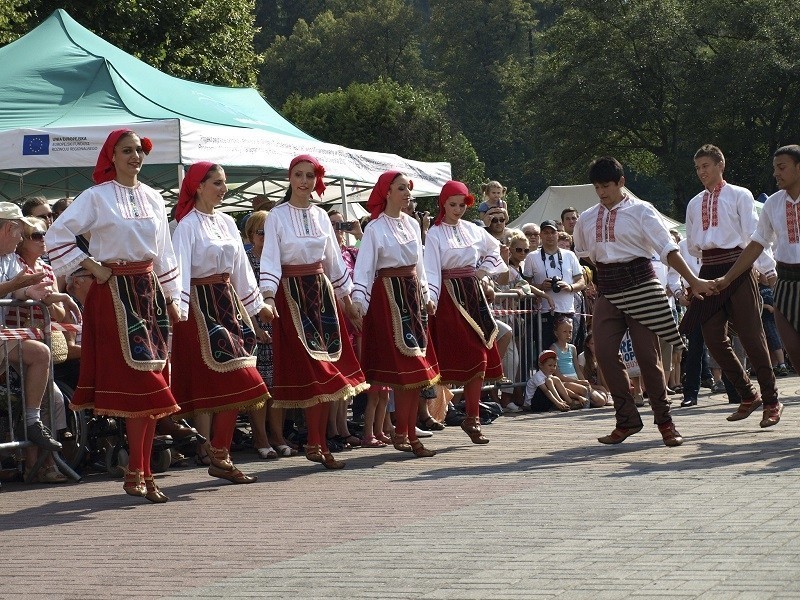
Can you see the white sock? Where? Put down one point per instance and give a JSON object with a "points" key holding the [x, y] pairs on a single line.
{"points": [[32, 415]]}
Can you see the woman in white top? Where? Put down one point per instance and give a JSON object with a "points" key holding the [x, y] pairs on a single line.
{"points": [[213, 367], [390, 289], [458, 256], [126, 315], [302, 277]]}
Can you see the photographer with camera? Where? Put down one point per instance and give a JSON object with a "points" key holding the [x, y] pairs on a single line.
{"points": [[558, 272]]}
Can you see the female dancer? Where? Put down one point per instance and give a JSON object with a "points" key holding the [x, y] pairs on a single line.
{"points": [[213, 367], [132, 261], [301, 266], [390, 288], [459, 257]]}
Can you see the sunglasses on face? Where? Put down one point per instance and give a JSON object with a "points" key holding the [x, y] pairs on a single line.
{"points": [[37, 236], [259, 232], [522, 250], [498, 220]]}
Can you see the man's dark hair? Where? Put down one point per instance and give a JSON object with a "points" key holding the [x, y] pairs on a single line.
{"points": [[711, 151], [569, 209], [606, 169], [792, 150]]}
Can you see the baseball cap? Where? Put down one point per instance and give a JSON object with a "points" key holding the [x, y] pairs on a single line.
{"points": [[549, 223], [546, 355], [12, 212]]}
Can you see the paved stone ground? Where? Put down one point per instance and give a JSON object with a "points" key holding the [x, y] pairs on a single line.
{"points": [[544, 511]]}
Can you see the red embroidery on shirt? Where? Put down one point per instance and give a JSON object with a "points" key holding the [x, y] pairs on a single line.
{"points": [[710, 206], [604, 228], [792, 222]]}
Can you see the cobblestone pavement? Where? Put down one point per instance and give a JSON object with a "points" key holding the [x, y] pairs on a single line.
{"points": [[543, 511]]}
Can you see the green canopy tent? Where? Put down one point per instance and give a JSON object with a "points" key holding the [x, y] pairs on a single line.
{"points": [[64, 89]]}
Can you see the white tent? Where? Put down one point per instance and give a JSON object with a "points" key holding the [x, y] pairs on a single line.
{"points": [[558, 197], [64, 89]]}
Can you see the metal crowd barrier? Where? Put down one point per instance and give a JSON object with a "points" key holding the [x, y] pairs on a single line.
{"points": [[15, 398]]}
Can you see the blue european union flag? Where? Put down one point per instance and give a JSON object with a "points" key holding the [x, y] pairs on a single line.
{"points": [[35, 144]]}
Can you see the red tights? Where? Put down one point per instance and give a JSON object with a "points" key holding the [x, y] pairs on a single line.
{"points": [[222, 428], [472, 397], [317, 424], [406, 405], [140, 432]]}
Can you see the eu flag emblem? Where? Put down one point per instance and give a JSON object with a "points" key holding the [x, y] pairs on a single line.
{"points": [[35, 144]]}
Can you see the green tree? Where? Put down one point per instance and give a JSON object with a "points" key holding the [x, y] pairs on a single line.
{"points": [[210, 41], [649, 81], [12, 20], [476, 49], [388, 117], [352, 42]]}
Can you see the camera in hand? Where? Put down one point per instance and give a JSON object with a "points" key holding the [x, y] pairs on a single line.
{"points": [[555, 283], [420, 214], [348, 226]]}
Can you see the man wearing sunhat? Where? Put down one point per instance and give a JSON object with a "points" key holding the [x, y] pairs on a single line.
{"points": [[16, 284]]}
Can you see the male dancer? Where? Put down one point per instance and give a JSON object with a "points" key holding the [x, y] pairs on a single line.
{"points": [[719, 223], [779, 227], [620, 235]]}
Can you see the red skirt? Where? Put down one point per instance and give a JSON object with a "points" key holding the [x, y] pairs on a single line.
{"points": [[300, 380], [107, 384], [198, 388], [462, 354], [382, 361]]}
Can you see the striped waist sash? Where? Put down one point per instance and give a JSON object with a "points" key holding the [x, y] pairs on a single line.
{"points": [[458, 273], [647, 303]]}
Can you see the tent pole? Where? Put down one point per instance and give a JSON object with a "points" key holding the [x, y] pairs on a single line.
{"points": [[344, 199]]}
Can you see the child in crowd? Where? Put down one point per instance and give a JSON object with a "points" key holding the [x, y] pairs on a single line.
{"points": [[544, 389], [588, 364], [568, 368], [493, 194]]}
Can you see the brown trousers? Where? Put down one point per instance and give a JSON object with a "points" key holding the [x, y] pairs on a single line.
{"points": [[609, 325], [742, 309]]}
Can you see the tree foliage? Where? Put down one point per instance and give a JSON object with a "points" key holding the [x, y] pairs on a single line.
{"points": [[12, 20], [350, 42], [203, 40], [650, 81], [386, 116]]}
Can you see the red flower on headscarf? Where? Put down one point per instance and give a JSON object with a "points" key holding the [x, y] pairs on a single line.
{"points": [[147, 145]]}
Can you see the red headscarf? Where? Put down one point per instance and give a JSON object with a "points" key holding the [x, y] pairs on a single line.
{"points": [[452, 188], [377, 199], [104, 169], [319, 171], [191, 181]]}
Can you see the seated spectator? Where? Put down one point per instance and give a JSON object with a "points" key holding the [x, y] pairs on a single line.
{"points": [[493, 194], [33, 355], [564, 240], [591, 371], [544, 389], [568, 368]]}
